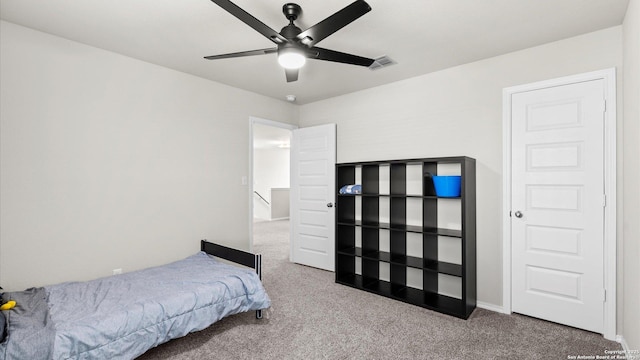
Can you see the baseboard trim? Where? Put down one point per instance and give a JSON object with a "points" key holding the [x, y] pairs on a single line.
{"points": [[490, 307], [619, 338], [627, 349], [623, 342]]}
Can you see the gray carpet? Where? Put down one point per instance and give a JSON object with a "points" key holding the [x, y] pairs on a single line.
{"points": [[312, 317]]}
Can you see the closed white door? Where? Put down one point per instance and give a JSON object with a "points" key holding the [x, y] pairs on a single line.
{"points": [[313, 160], [557, 216]]}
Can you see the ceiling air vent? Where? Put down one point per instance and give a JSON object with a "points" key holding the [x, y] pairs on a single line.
{"points": [[381, 62]]}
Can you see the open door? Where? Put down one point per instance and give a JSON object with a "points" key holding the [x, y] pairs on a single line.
{"points": [[313, 159]]}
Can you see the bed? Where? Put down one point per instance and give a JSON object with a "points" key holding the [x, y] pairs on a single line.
{"points": [[123, 316]]}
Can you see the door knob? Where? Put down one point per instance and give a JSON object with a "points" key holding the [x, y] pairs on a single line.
{"points": [[518, 214], [330, 205]]}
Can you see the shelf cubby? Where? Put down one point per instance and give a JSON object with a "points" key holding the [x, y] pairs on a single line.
{"points": [[400, 240]]}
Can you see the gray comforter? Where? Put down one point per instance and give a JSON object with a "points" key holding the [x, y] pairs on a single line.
{"points": [[121, 317]]}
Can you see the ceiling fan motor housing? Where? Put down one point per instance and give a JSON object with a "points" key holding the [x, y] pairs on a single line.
{"points": [[290, 31]]}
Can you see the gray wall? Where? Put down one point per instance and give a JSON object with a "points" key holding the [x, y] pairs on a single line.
{"points": [[110, 162], [270, 170]]}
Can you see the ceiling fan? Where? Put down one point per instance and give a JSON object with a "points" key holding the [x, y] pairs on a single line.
{"points": [[295, 45]]}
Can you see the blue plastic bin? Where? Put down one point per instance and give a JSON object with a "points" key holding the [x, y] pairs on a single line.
{"points": [[447, 186]]}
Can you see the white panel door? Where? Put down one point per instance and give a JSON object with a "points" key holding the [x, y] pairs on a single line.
{"points": [[313, 160], [557, 205]]}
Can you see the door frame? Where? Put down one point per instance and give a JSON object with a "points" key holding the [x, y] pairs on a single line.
{"points": [[610, 239], [256, 120]]}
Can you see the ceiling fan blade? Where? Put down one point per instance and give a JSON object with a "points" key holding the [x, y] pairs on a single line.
{"points": [[292, 74], [248, 19], [242, 53], [337, 56], [333, 23]]}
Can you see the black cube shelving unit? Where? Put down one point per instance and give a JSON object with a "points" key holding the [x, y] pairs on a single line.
{"points": [[363, 263]]}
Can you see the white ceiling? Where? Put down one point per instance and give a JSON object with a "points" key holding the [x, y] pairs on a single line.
{"points": [[422, 36]]}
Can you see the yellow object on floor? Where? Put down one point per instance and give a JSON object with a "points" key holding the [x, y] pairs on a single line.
{"points": [[9, 305]]}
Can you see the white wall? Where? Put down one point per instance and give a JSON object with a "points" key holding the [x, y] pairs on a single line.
{"points": [[458, 111], [110, 162], [631, 217], [270, 170]]}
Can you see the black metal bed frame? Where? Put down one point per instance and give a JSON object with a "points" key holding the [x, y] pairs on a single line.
{"points": [[244, 258]]}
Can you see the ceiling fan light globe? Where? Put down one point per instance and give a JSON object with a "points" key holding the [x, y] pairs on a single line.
{"points": [[291, 60]]}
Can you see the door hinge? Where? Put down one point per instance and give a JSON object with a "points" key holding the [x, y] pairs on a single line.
{"points": [[604, 106], [604, 200], [604, 295]]}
